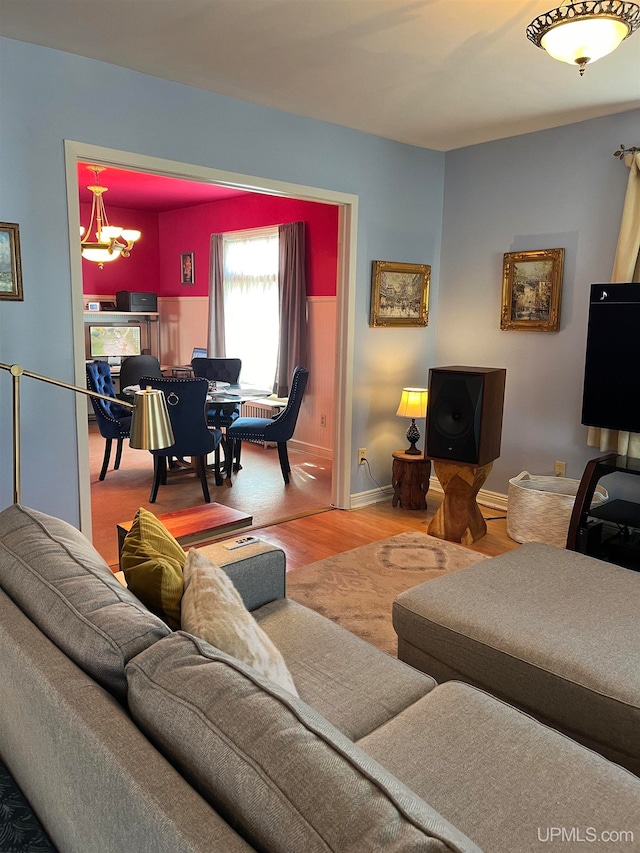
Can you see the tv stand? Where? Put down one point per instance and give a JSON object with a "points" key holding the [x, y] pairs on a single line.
{"points": [[587, 532]]}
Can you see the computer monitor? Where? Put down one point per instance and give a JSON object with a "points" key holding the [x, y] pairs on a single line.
{"points": [[199, 352], [109, 342]]}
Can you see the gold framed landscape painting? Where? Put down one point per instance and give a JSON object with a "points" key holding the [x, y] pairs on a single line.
{"points": [[10, 264], [531, 290], [399, 294]]}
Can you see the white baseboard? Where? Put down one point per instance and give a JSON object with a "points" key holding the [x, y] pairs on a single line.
{"points": [[493, 500], [371, 496], [314, 449]]}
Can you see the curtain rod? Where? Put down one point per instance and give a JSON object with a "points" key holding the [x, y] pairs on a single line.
{"points": [[622, 151]]}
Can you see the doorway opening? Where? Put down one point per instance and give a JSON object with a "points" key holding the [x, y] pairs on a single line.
{"points": [[345, 298]]}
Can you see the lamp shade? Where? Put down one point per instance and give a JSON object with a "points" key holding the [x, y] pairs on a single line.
{"points": [[580, 33], [413, 403], [578, 41], [150, 424]]}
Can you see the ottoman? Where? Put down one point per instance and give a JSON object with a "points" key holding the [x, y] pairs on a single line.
{"points": [[552, 631]]}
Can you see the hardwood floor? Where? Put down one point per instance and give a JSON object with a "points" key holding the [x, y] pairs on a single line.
{"points": [[314, 530], [314, 537]]}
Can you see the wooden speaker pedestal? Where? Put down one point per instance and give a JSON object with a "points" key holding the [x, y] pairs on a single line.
{"points": [[458, 518]]}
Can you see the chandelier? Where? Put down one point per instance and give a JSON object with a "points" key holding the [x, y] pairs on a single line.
{"points": [[579, 33], [111, 241]]}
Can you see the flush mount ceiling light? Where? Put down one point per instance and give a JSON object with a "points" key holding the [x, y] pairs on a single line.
{"points": [[579, 33], [111, 241]]}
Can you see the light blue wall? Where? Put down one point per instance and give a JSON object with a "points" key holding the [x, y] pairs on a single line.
{"points": [[553, 189], [556, 188], [47, 96]]}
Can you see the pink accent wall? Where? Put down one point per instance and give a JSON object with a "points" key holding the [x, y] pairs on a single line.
{"points": [[154, 264], [189, 230], [140, 271]]}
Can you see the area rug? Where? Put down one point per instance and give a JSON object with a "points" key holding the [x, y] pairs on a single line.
{"points": [[356, 588]]}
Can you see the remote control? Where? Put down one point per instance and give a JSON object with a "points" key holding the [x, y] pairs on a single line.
{"points": [[238, 543]]}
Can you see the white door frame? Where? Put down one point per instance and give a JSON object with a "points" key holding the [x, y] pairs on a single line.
{"points": [[345, 295]]}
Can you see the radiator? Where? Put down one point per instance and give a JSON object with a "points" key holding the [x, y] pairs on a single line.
{"points": [[260, 409]]}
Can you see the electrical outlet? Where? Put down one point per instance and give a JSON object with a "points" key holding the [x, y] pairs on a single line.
{"points": [[362, 455], [559, 469], [323, 420]]}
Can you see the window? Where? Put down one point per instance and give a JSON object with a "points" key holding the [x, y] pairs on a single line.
{"points": [[251, 303]]}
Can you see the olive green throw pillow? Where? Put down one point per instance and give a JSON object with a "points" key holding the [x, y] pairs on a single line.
{"points": [[152, 562]]}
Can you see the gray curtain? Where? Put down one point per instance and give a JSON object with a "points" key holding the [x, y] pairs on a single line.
{"points": [[216, 343], [293, 304]]}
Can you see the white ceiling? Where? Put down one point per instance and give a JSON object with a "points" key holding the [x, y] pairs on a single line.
{"points": [[439, 74]]}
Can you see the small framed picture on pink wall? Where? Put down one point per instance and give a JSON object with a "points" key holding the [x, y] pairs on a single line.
{"points": [[186, 268]]}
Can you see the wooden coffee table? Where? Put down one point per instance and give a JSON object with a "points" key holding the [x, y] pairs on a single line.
{"points": [[195, 525]]}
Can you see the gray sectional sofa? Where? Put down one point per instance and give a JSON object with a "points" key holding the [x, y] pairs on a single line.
{"points": [[126, 736], [551, 631]]}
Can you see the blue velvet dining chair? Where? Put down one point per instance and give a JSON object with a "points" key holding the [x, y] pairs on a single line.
{"points": [[186, 400], [114, 421], [277, 430]]}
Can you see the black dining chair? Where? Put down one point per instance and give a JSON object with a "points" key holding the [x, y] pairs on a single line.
{"points": [[114, 421], [133, 368], [278, 429], [221, 415], [218, 369], [186, 399]]}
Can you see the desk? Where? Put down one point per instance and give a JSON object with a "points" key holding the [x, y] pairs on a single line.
{"points": [[180, 370]]}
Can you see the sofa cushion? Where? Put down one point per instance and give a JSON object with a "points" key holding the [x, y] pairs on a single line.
{"points": [[347, 680], [152, 562], [59, 580], [278, 772], [213, 610], [502, 777]]}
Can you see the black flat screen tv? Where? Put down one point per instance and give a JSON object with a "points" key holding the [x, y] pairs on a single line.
{"points": [[611, 395]]}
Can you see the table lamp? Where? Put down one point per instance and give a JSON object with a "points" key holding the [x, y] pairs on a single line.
{"points": [[150, 424], [413, 404]]}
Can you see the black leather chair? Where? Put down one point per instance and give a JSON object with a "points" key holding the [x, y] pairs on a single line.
{"points": [[186, 400], [278, 429], [114, 421], [133, 368]]}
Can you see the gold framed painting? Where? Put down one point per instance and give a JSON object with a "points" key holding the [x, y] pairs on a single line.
{"points": [[399, 294], [10, 264], [531, 290]]}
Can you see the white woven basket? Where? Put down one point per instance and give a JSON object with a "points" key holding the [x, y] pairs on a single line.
{"points": [[539, 508]]}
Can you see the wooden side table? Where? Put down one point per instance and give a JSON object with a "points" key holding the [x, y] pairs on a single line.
{"points": [[410, 480]]}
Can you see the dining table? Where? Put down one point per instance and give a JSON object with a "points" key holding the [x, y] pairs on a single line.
{"points": [[225, 396]]}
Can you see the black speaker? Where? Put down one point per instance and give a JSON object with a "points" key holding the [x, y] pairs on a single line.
{"points": [[464, 414]]}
